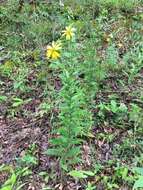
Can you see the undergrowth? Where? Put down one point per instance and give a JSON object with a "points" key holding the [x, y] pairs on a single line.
{"points": [[71, 76]]}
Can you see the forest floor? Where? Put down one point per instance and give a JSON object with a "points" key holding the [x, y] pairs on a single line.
{"points": [[109, 73]]}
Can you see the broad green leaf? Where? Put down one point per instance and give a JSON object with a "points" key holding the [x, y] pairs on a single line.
{"points": [[123, 107], [138, 183], [89, 173], [77, 174], [6, 188], [43, 173], [3, 98], [11, 181], [29, 159], [125, 173], [80, 174], [138, 170]]}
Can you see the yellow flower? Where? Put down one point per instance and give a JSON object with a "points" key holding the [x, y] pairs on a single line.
{"points": [[69, 32], [53, 51]]}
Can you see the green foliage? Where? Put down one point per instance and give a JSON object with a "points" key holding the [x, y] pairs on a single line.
{"points": [[136, 114], [13, 181], [113, 107], [92, 70], [139, 182], [43, 109], [20, 79], [75, 120], [3, 98], [90, 186], [134, 59], [9, 184], [121, 4], [91, 95], [29, 158], [112, 56], [80, 174]]}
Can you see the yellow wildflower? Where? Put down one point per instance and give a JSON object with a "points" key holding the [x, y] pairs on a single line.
{"points": [[53, 51], [69, 32]]}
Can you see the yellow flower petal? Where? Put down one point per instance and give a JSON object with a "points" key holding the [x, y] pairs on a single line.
{"points": [[53, 50], [68, 32], [57, 45], [49, 53], [55, 55]]}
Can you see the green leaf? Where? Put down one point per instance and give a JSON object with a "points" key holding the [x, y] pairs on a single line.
{"points": [[124, 173], [63, 165], [11, 181], [17, 102], [75, 151], [114, 107], [43, 173], [123, 107], [6, 188], [29, 159], [24, 172], [138, 183], [8, 185], [77, 174], [138, 170], [89, 173], [53, 152], [3, 98], [21, 186], [47, 188], [80, 174]]}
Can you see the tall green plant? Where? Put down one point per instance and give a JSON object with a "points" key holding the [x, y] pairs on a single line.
{"points": [[75, 120]]}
